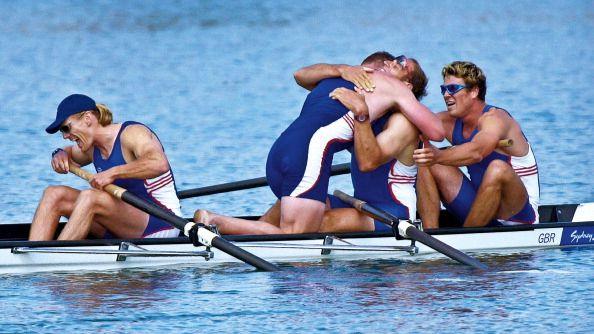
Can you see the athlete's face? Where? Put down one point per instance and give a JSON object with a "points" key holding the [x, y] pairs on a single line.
{"points": [[458, 104], [401, 68], [75, 128]]}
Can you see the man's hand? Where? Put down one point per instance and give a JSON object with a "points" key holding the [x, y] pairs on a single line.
{"points": [[426, 156], [358, 75], [352, 100], [60, 162], [102, 179]]}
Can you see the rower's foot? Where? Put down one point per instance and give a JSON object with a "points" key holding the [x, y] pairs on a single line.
{"points": [[202, 217]]}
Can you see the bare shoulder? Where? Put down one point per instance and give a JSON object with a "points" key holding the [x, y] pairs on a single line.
{"points": [[398, 119], [399, 123], [444, 116], [386, 82], [137, 134], [446, 119], [496, 115]]}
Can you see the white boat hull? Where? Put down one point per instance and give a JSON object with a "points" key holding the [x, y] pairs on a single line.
{"points": [[27, 259]]}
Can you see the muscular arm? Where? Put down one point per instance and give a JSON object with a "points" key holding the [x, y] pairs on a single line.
{"points": [[417, 113], [491, 128], [308, 77], [140, 146], [150, 160], [81, 158], [372, 151], [62, 159]]}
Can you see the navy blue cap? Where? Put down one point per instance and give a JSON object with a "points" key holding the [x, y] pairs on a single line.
{"points": [[71, 105]]}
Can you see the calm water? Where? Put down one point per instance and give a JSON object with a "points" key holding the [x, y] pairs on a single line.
{"points": [[214, 80]]}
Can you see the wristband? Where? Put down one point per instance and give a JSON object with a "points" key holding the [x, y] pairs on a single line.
{"points": [[56, 151], [361, 118]]}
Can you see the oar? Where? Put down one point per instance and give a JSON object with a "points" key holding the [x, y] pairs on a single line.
{"points": [[408, 230], [205, 236], [339, 169], [502, 143]]}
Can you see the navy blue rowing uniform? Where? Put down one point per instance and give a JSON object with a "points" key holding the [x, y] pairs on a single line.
{"points": [[160, 190], [525, 167], [300, 160], [390, 187]]}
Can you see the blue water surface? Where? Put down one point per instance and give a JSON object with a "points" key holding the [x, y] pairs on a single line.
{"points": [[214, 80]]}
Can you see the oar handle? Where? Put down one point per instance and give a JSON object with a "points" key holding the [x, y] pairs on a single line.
{"points": [[408, 230], [506, 143], [205, 236], [110, 188]]}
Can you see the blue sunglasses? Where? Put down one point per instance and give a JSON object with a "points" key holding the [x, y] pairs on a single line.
{"points": [[451, 88], [401, 60]]}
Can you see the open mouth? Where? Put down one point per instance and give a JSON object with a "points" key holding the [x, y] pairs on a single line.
{"points": [[450, 103], [77, 141]]}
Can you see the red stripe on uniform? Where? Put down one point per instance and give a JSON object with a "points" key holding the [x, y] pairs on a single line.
{"points": [[158, 184], [524, 168]]}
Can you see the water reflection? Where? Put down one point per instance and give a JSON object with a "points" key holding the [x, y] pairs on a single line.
{"points": [[106, 290]]}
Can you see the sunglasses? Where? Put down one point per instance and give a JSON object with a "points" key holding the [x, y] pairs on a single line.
{"points": [[401, 60], [66, 128], [451, 88]]}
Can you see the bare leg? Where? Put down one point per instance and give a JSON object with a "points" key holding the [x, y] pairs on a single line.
{"points": [[297, 215], [273, 215], [57, 201], [500, 195], [431, 183], [346, 220], [232, 225], [98, 207], [301, 215]]}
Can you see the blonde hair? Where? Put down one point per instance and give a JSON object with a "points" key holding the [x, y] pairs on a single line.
{"points": [[103, 114], [472, 75]]}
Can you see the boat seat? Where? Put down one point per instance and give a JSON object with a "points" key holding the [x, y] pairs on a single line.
{"points": [[556, 213]]}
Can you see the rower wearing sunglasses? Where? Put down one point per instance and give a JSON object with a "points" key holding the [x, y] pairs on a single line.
{"points": [[502, 187], [383, 172], [298, 167], [128, 155]]}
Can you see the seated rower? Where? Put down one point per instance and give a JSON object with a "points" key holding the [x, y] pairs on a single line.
{"points": [[503, 187], [298, 167], [128, 155], [382, 169]]}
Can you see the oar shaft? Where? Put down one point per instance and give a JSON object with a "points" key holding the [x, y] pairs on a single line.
{"points": [[408, 230], [412, 232], [339, 169], [205, 236], [502, 143]]}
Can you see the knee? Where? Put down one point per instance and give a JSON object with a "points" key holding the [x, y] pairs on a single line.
{"points": [[440, 174], [497, 171], [54, 194], [89, 198]]}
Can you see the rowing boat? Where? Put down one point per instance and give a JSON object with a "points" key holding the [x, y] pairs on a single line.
{"points": [[568, 225]]}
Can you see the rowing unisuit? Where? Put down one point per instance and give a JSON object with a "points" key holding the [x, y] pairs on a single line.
{"points": [[390, 187], [160, 190], [525, 167], [299, 162]]}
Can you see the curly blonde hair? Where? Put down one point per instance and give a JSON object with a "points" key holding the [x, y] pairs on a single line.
{"points": [[472, 75]]}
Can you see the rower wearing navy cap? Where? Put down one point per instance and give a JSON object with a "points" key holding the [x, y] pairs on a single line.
{"points": [[128, 155]]}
